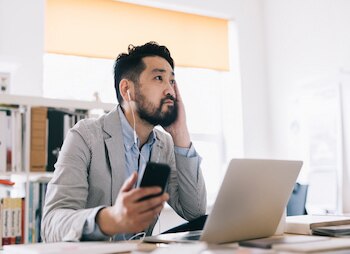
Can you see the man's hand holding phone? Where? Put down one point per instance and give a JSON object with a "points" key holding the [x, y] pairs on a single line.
{"points": [[156, 174], [133, 210]]}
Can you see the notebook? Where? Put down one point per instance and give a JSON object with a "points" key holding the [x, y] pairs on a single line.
{"points": [[249, 204]]}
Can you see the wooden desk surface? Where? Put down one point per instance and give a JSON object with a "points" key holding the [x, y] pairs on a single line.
{"points": [[188, 248]]}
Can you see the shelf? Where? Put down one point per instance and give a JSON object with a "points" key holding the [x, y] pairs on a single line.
{"points": [[55, 116], [56, 103]]}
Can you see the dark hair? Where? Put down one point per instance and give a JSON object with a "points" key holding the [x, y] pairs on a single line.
{"points": [[130, 65]]}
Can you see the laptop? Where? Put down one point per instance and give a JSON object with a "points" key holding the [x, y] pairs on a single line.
{"points": [[249, 205]]}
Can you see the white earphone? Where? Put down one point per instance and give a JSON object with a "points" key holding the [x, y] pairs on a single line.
{"points": [[133, 117], [128, 92]]}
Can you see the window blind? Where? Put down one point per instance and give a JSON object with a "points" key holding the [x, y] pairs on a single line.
{"points": [[105, 28]]}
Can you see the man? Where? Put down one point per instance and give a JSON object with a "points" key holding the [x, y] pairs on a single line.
{"points": [[92, 195]]}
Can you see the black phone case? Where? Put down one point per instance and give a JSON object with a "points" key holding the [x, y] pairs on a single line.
{"points": [[156, 174]]}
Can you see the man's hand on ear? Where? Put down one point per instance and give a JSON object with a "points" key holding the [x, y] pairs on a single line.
{"points": [[178, 130]]}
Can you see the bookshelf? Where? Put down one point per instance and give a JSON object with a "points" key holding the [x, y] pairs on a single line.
{"points": [[18, 138]]}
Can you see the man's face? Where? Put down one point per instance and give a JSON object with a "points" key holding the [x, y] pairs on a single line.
{"points": [[154, 94]]}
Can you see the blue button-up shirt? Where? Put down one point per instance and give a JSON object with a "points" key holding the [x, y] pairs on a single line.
{"points": [[135, 158]]}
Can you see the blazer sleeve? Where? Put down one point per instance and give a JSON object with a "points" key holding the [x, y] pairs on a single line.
{"points": [[64, 213], [186, 187]]}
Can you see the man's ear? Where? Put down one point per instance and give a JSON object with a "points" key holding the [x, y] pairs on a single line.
{"points": [[124, 88]]}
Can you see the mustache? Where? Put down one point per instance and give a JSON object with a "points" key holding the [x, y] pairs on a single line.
{"points": [[168, 97]]}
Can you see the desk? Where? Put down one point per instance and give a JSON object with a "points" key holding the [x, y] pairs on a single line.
{"points": [[146, 248], [218, 249]]}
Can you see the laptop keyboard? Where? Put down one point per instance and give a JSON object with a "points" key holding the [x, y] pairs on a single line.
{"points": [[192, 235]]}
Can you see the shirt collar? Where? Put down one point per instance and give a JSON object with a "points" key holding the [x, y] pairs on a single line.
{"points": [[128, 132]]}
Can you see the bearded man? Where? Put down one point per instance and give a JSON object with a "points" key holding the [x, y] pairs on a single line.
{"points": [[93, 194]]}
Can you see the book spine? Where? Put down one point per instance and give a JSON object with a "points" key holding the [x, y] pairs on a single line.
{"points": [[3, 132], [13, 221], [38, 139], [8, 142], [17, 131], [35, 211], [5, 208], [18, 220], [23, 210], [13, 140], [1, 222], [30, 213]]}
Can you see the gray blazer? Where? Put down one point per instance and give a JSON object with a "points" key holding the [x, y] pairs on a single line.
{"points": [[90, 171]]}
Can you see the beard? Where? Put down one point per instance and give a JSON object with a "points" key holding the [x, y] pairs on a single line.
{"points": [[154, 115]]}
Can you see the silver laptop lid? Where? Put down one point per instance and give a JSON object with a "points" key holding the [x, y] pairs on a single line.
{"points": [[251, 200]]}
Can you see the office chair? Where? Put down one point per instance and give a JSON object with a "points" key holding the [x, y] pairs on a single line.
{"points": [[296, 203]]}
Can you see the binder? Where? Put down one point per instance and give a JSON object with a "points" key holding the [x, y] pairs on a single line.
{"points": [[55, 136]]}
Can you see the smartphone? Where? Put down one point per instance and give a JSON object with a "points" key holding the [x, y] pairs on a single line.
{"points": [[156, 174]]}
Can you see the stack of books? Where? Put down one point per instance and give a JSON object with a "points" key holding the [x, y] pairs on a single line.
{"points": [[328, 225]]}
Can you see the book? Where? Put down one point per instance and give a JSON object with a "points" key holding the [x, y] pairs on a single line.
{"points": [[17, 219], [303, 224], [267, 243], [8, 141], [31, 213], [13, 220], [23, 210], [11, 140], [6, 221], [17, 140], [71, 247], [38, 143], [36, 200], [335, 231], [35, 212], [59, 123], [3, 132]]}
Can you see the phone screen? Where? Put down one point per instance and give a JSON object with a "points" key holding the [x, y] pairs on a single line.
{"points": [[156, 174]]}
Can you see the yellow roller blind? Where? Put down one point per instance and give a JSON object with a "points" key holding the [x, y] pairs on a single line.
{"points": [[104, 28]]}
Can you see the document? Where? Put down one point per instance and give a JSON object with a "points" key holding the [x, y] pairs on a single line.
{"points": [[267, 243], [196, 248], [315, 247], [71, 248]]}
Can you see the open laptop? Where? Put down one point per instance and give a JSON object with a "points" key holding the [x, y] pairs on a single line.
{"points": [[249, 205]]}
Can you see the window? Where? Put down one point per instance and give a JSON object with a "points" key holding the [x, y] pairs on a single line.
{"points": [[103, 28], [317, 135], [76, 66]]}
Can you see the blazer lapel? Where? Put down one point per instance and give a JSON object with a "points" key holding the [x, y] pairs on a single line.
{"points": [[116, 152], [157, 154]]}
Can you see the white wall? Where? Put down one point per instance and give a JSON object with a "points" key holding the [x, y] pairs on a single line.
{"points": [[22, 44], [305, 40], [256, 117]]}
